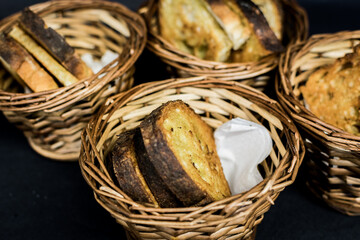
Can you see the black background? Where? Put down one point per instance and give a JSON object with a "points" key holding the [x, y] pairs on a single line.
{"points": [[45, 199]]}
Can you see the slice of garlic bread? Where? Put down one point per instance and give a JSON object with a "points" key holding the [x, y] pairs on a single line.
{"points": [[190, 26], [182, 149], [126, 169], [54, 43]]}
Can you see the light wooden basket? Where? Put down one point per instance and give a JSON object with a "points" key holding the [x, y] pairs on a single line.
{"points": [[216, 101], [333, 156], [52, 121], [256, 74]]}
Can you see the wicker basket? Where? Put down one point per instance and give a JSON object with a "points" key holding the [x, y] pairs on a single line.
{"points": [[216, 101], [52, 120], [333, 156], [255, 74]]}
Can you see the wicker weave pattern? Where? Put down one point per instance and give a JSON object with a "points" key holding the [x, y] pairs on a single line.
{"points": [[52, 120], [252, 73], [216, 101], [333, 155]]}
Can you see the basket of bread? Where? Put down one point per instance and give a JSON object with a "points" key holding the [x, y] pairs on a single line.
{"points": [[60, 60], [227, 39], [190, 158], [320, 88]]}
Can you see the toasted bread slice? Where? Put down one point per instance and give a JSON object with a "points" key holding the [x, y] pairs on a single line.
{"points": [[236, 27], [332, 93], [153, 177], [127, 172], [190, 26], [55, 68], [181, 147], [262, 41], [23, 67], [273, 13], [54, 43]]}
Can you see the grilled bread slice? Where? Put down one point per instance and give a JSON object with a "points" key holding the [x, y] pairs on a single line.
{"points": [[236, 27], [153, 177], [54, 43], [332, 93], [182, 150], [23, 67], [273, 13], [190, 26], [262, 41], [126, 169]]}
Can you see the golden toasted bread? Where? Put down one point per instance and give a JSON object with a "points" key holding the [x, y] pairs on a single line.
{"points": [[54, 44], [23, 67], [191, 27], [181, 148], [332, 93]]}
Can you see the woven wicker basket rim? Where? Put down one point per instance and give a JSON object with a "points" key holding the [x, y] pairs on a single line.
{"points": [[262, 191], [40, 100], [180, 59], [302, 115]]}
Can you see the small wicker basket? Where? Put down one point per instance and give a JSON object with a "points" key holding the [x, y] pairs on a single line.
{"points": [[216, 101], [255, 74], [333, 164], [53, 120]]}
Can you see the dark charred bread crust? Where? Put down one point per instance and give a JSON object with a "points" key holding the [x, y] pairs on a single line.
{"points": [[260, 26], [160, 190], [54, 43], [126, 170], [23, 67], [169, 167]]}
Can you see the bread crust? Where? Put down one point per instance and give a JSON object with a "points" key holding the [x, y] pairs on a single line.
{"points": [[23, 67], [54, 43], [126, 169], [191, 190], [164, 196]]}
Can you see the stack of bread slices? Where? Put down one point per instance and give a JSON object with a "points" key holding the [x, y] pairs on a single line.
{"points": [[38, 57], [170, 160]]}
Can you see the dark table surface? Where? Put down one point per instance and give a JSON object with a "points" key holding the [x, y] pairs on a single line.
{"points": [[45, 199]]}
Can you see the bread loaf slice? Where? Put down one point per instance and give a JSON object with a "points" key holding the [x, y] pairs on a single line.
{"points": [[236, 27], [273, 12], [162, 193], [190, 26], [23, 67], [262, 41], [182, 150], [54, 43], [126, 169]]}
